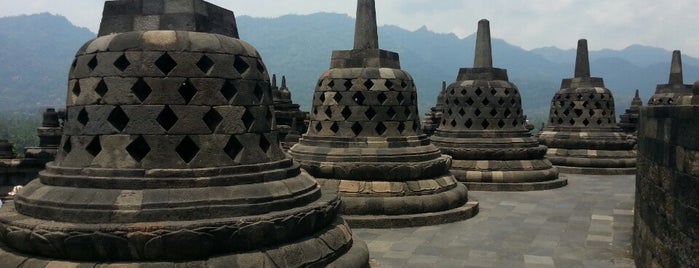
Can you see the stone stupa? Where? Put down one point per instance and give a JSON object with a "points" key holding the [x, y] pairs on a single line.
{"points": [[50, 133], [485, 130], [168, 158], [365, 140], [629, 121], [675, 91], [288, 115], [581, 134], [433, 118]]}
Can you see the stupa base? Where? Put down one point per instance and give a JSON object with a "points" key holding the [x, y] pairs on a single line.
{"points": [[516, 187], [467, 211], [321, 250], [596, 171], [512, 180]]}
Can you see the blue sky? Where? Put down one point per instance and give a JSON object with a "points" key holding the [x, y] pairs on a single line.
{"points": [[613, 24]]}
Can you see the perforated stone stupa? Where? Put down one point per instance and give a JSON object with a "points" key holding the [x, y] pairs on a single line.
{"points": [[581, 133], [49, 133], [675, 91], [365, 140], [289, 117], [485, 130], [168, 159], [629, 121], [433, 118]]}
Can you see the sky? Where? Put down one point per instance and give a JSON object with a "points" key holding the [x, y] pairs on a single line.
{"points": [[613, 24]]}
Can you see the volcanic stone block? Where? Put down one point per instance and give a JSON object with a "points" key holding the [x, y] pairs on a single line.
{"points": [[484, 129], [163, 163], [582, 135]]}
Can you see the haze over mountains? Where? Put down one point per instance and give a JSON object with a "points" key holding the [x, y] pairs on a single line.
{"points": [[36, 51]]}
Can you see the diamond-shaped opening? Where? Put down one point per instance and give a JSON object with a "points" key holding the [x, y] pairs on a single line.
{"points": [[391, 112], [592, 113], [586, 122], [515, 123], [357, 128], [382, 97], [346, 113], [348, 84], [457, 102], [469, 123], [452, 92], [165, 63], [507, 91], [462, 112], [567, 97], [513, 101], [76, 88], [580, 96], [83, 118], [329, 112], [479, 91], [141, 90], [493, 91], [400, 97], [609, 121], [92, 64], [554, 112], [578, 112], [389, 85], [566, 112], [229, 90], [240, 65], [470, 101], [401, 127], [407, 112], [601, 97], [233, 148], [167, 118], [95, 147], [187, 91], [260, 66], [599, 121], [67, 146], [334, 127], [501, 124], [320, 83], [259, 92], [485, 102], [477, 112], [403, 84], [381, 129], [560, 120], [369, 84], [501, 101], [604, 113], [205, 64], [337, 97], [322, 97], [331, 84], [450, 111], [370, 113], [118, 119], [122, 63], [101, 88], [453, 123], [463, 91], [493, 112], [586, 104], [359, 98], [187, 149], [485, 124], [319, 127], [572, 121], [507, 113], [138, 149], [248, 119], [264, 144], [212, 119]]}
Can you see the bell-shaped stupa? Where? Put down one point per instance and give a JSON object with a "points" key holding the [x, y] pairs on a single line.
{"points": [[288, 115], [365, 140], [433, 118], [581, 134], [629, 120], [675, 91], [484, 129], [169, 158]]}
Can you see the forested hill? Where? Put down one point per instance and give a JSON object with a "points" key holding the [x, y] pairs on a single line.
{"points": [[36, 51]]}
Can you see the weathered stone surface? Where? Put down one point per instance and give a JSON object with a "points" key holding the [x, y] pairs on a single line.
{"points": [[675, 92], [666, 230], [433, 118], [290, 120], [484, 129], [629, 120], [170, 158], [582, 134], [364, 140]]}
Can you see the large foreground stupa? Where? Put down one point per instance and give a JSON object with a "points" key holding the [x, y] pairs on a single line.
{"points": [[485, 131], [168, 158], [582, 135], [365, 140]]}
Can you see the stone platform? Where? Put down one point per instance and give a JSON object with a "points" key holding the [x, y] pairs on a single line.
{"points": [[589, 223]]}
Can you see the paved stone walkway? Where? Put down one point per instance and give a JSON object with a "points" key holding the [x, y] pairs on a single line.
{"points": [[585, 224]]}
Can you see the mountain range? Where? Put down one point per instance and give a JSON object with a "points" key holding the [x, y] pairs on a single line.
{"points": [[36, 51]]}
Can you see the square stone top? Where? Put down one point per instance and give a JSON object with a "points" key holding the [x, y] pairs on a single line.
{"points": [[365, 58], [582, 82], [482, 74], [179, 15]]}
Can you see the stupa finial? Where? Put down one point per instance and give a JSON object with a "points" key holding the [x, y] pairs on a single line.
{"points": [[366, 35], [676, 69], [484, 54], [582, 60]]}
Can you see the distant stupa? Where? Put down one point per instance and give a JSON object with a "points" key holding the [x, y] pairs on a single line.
{"points": [[433, 118], [674, 92]]}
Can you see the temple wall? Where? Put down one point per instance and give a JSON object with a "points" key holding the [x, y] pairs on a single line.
{"points": [[666, 231]]}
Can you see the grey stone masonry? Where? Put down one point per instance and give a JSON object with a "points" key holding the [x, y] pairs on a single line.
{"points": [[484, 129], [675, 91], [169, 157], [365, 141], [433, 118], [629, 120], [288, 115], [581, 134], [666, 229], [49, 133]]}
